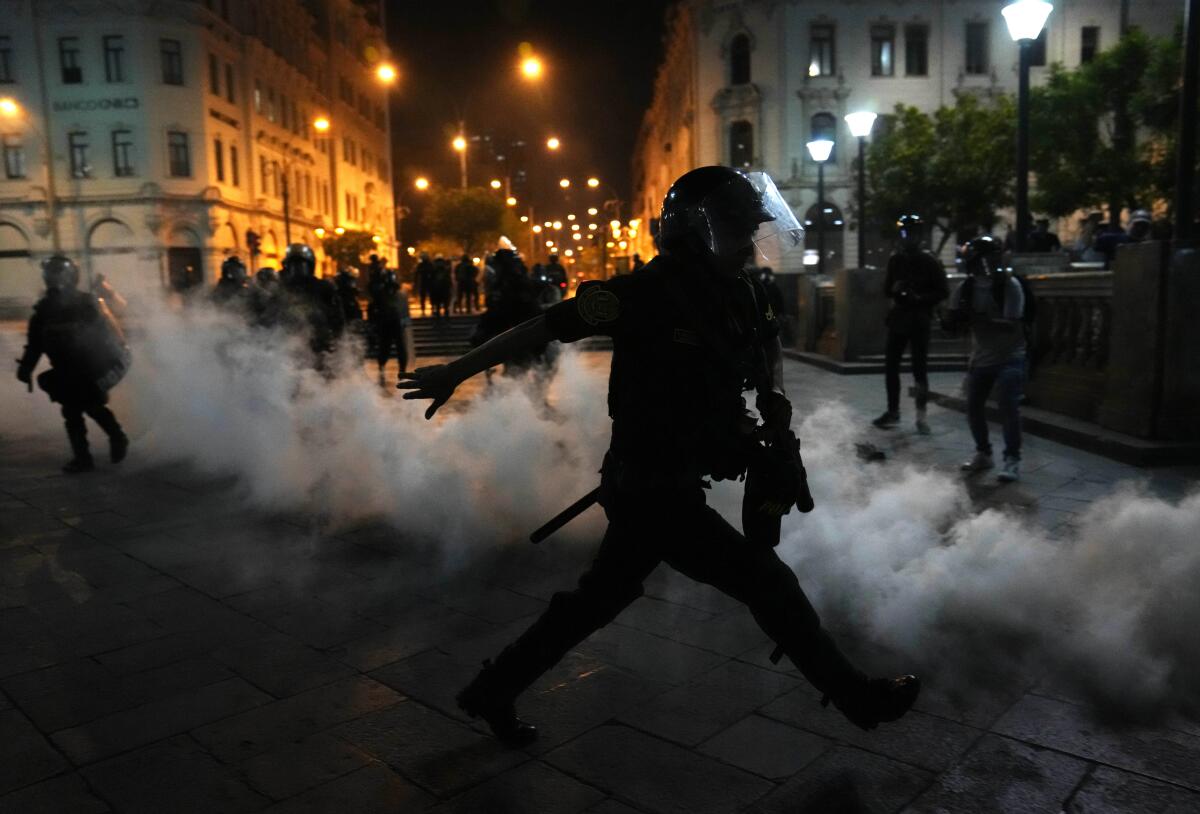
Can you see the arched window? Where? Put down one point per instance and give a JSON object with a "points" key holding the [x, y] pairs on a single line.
{"points": [[741, 144], [824, 126], [739, 60]]}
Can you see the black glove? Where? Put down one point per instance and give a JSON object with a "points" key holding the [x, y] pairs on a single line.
{"points": [[776, 411]]}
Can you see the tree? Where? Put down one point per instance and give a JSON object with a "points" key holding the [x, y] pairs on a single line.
{"points": [[1085, 123], [472, 217], [348, 248], [954, 168]]}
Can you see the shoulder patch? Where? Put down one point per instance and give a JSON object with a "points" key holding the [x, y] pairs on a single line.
{"points": [[598, 305]]}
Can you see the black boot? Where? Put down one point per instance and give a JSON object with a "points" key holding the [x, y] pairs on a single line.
{"points": [[77, 466], [483, 698], [77, 436], [118, 442], [878, 701], [118, 445]]}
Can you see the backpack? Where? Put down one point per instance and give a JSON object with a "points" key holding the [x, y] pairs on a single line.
{"points": [[1028, 313]]}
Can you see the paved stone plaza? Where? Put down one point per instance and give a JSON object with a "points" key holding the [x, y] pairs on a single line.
{"points": [[153, 660]]}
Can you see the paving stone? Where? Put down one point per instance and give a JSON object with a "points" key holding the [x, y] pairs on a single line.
{"points": [[175, 775], [25, 756], [617, 760], [298, 767], [611, 806], [1165, 754], [845, 779], [242, 736], [281, 665], [320, 625], [927, 741], [432, 677], [528, 788], [409, 637], [65, 793], [371, 790], [178, 646], [1111, 791], [495, 605], [765, 747], [439, 754], [131, 728], [693, 712], [185, 609], [652, 657], [1001, 775]]}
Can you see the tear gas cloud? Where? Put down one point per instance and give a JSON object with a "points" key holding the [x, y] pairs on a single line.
{"points": [[894, 553]]}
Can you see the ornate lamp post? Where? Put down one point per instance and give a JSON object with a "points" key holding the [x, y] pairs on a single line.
{"points": [[1025, 19], [860, 124], [820, 150]]}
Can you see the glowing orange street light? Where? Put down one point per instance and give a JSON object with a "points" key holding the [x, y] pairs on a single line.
{"points": [[565, 183], [593, 182], [557, 224], [592, 211], [496, 183], [510, 200], [421, 183], [459, 144], [537, 229], [321, 124], [571, 217], [340, 230], [385, 73], [319, 232], [553, 143], [9, 107], [524, 219], [531, 68]]}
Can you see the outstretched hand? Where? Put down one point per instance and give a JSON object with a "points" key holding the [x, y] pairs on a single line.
{"points": [[435, 382]]}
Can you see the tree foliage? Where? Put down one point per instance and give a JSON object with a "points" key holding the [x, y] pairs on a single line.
{"points": [[348, 248], [471, 217], [954, 167]]}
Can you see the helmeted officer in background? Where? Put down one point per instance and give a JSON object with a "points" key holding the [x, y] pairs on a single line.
{"points": [[690, 332], [390, 322], [346, 282], [556, 279], [231, 289], [915, 284], [87, 356], [311, 305], [513, 300]]}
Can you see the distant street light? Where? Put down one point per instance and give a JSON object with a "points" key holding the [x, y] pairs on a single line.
{"points": [[531, 68], [565, 183], [593, 182], [496, 183], [460, 146], [860, 127], [421, 183], [9, 107], [553, 143], [385, 73], [321, 124], [820, 150], [1025, 19], [510, 200]]}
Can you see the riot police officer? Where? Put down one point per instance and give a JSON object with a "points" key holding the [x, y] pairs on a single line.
{"points": [[311, 305], [346, 282], [231, 289], [915, 284], [691, 332], [390, 322], [87, 357]]}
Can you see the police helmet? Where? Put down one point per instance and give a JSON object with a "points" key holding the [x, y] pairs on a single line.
{"points": [[911, 228], [299, 261], [60, 273], [233, 270], [389, 278], [984, 249], [266, 277], [1140, 216]]}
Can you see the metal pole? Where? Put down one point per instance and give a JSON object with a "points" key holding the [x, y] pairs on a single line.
{"points": [[862, 202], [462, 154], [1185, 171], [1026, 47], [820, 218], [287, 215]]}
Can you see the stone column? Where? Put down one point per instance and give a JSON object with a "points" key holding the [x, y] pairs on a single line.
{"points": [[860, 309]]}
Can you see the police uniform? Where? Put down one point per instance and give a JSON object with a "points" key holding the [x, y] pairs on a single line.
{"points": [[916, 283], [686, 344]]}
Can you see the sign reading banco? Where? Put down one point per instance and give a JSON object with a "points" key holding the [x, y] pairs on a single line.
{"points": [[126, 103]]}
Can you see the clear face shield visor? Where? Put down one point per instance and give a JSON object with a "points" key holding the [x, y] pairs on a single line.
{"points": [[736, 219]]}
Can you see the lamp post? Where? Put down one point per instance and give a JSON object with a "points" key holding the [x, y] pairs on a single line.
{"points": [[1185, 165], [460, 146], [820, 150], [1025, 19], [860, 124]]}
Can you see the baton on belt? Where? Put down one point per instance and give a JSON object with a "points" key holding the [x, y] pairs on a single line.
{"points": [[566, 516]]}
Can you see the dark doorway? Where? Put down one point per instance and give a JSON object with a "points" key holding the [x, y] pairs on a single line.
{"points": [[183, 268]]}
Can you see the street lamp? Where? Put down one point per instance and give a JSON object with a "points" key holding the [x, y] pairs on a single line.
{"points": [[510, 201], [553, 143], [421, 183], [321, 124], [860, 124], [820, 150], [460, 146], [593, 182], [1025, 19], [9, 107], [385, 73], [496, 183], [531, 68], [565, 183]]}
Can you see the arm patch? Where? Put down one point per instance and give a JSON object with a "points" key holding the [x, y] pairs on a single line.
{"points": [[598, 305]]}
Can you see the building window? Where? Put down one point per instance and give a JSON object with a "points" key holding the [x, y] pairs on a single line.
{"points": [[230, 94], [977, 48], [1037, 51], [122, 149], [258, 97], [219, 158], [77, 147], [68, 60], [214, 75], [14, 156], [820, 48], [824, 126], [264, 168], [179, 158], [114, 58], [739, 60], [916, 50], [172, 62], [235, 173], [883, 50], [741, 144], [1089, 43], [6, 61], [270, 104]]}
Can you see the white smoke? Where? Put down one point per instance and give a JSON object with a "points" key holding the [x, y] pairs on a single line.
{"points": [[894, 553]]}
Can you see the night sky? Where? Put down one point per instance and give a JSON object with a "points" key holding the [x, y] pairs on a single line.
{"points": [[459, 58]]}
